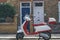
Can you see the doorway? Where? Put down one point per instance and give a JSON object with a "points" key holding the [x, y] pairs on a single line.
{"points": [[38, 12]]}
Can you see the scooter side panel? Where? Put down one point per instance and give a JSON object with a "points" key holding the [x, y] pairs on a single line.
{"points": [[41, 28]]}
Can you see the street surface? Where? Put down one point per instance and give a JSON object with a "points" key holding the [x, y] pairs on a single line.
{"points": [[12, 37]]}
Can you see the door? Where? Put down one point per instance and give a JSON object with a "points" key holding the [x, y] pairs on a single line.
{"points": [[59, 10], [38, 12], [24, 12], [25, 8]]}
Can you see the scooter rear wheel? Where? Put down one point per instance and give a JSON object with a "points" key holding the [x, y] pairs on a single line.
{"points": [[49, 34]]}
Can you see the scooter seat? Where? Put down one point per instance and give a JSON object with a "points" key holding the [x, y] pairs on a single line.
{"points": [[43, 23]]}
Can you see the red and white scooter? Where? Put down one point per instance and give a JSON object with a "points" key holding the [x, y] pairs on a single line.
{"points": [[42, 29]]}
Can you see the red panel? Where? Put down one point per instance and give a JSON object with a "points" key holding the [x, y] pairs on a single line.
{"points": [[39, 24]]}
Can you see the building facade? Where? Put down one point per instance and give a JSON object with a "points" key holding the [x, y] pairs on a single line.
{"points": [[50, 9]]}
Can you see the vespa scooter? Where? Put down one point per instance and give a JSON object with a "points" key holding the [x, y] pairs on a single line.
{"points": [[42, 29]]}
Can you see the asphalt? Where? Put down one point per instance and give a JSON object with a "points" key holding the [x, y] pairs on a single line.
{"points": [[30, 37], [25, 39]]}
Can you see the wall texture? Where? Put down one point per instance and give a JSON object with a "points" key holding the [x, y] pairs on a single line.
{"points": [[50, 9]]}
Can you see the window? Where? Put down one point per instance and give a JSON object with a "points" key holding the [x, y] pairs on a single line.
{"points": [[6, 20], [25, 4], [7, 13], [39, 4]]}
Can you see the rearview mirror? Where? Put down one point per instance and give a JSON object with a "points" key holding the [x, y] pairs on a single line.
{"points": [[27, 17]]}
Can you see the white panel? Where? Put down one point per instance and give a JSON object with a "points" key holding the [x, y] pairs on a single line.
{"points": [[38, 13], [42, 28]]}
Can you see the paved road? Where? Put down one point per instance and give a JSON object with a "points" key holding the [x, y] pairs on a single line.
{"points": [[23, 39], [30, 36], [12, 37]]}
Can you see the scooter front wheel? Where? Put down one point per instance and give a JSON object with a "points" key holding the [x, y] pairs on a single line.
{"points": [[19, 36]]}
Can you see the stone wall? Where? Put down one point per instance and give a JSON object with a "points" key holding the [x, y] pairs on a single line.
{"points": [[51, 8], [3, 0]]}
